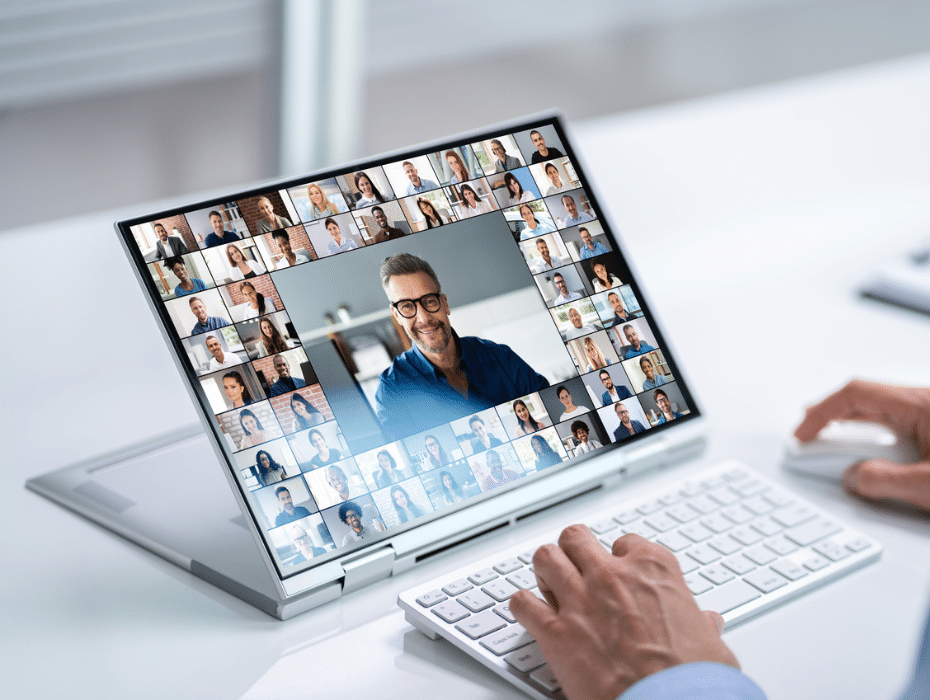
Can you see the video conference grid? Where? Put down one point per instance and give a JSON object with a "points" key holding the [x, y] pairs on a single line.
{"points": [[312, 493]]}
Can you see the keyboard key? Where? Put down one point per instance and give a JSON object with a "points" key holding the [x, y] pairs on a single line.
{"points": [[760, 554], [683, 513], [527, 658], [779, 499], [749, 487], [641, 529], [500, 590], [758, 505], [765, 579], [738, 564], [703, 504], [504, 611], [793, 515], [725, 544], [766, 526], [745, 535], [476, 600], [735, 474], [479, 625], [789, 569], [691, 488], [674, 541], [812, 531], [703, 554], [507, 565], [816, 562], [716, 574], [661, 522], [686, 563], [727, 597], [717, 522], [780, 545], [460, 585], [479, 578], [523, 579], [626, 516], [450, 611], [858, 544], [513, 637], [650, 506], [738, 514], [429, 599], [526, 557], [545, 678], [831, 550], [600, 527], [713, 482], [671, 498], [696, 532], [697, 584], [724, 495]]}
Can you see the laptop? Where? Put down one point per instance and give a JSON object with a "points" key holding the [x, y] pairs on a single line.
{"points": [[390, 358]]}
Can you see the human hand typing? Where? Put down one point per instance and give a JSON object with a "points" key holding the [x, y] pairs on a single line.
{"points": [[906, 410], [613, 618]]}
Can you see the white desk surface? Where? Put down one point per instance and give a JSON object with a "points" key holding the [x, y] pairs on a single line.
{"points": [[751, 217]]}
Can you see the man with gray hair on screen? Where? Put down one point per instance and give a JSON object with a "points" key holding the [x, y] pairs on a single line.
{"points": [[442, 377]]}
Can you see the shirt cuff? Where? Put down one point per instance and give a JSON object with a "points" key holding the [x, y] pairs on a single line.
{"points": [[696, 681]]}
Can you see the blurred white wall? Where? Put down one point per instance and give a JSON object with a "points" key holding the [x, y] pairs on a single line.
{"points": [[105, 103]]}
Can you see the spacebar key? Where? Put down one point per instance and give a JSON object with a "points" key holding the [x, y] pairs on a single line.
{"points": [[728, 596]]}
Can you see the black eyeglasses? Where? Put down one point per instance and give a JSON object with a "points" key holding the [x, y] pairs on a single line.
{"points": [[408, 307]]}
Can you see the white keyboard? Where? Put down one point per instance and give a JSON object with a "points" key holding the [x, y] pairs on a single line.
{"points": [[744, 545]]}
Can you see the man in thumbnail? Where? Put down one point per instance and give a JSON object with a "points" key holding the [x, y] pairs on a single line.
{"points": [[621, 315], [270, 221], [288, 512], [187, 284], [483, 440], [547, 261], [416, 184], [542, 151], [589, 248], [339, 482], [612, 393], [577, 328], [338, 244], [627, 426], [665, 407], [386, 232], [220, 235], [305, 547], [502, 161], [442, 377], [497, 475], [574, 217], [571, 410], [204, 322], [637, 346], [290, 258], [652, 379], [561, 287], [580, 430], [221, 359], [351, 514], [168, 246], [285, 381]]}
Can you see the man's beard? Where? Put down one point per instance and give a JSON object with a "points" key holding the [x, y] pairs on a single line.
{"points": [[434, 343]]}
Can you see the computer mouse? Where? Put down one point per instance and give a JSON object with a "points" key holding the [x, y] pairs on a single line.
{"points": [[842, 444]]}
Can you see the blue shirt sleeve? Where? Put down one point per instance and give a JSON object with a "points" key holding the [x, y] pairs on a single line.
{"points": [[697, 681]]}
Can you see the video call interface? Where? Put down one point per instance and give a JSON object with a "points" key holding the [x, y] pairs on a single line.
{"points": [[384, 344]]}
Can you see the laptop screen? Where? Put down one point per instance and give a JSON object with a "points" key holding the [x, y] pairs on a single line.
{"points": [[379, 345]]}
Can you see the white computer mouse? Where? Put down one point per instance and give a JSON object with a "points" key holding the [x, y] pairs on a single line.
{"points": [[842, 444]]}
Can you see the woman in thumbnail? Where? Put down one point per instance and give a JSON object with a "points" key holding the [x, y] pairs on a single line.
{"points": [[603, 280], [534, 227], [270, 221], [515, 192], [389, 473], [665, 406], [545, 455], [257, 304], [272, 340], [254, 432], [433, 219], [404, 506], [305, 413], [526, 424], [370, 194], [473, 204], [321, 204], [268, 471], [555, 180], [235, 390], [451, 491], [437, 455], [324, 454], [596, 359], [239, 267], [457, 165]]}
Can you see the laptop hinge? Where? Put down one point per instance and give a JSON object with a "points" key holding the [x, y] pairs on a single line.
{"points": [[369, 567]]}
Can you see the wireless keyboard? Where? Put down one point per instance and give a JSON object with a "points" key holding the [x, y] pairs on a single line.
{"points": [[743, 543]]}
